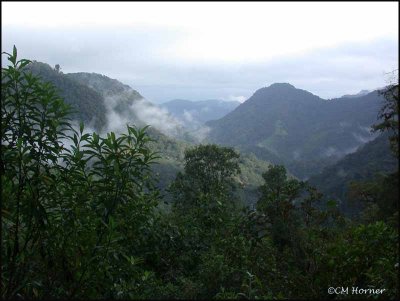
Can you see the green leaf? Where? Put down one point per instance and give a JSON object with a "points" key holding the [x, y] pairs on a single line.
{"points": [[331, 204], [81, 127]]}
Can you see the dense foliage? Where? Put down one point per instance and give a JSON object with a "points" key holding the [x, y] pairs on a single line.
{"points": [[81, 218]]}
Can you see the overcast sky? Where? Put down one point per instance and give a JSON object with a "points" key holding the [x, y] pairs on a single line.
{"points": [[208, 50]]}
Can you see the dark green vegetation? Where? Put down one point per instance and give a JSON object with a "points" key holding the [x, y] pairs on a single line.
{"points": [[80, 216], [89, 105], [290, 126], [195, 113], [369, 161]]}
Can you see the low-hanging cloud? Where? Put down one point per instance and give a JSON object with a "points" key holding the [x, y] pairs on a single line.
{"points": [[364, 138], [157, 117], [188, 116], [239, 98], [200, 134]]}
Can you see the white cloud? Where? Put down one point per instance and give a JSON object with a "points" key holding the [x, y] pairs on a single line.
{"points": [[140, 113], [185, 50], [201, 133], [239, 98], [157, 117], [364, 138], [188, 116], [216, 32]]}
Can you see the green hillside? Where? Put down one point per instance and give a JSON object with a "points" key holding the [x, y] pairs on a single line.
{"points": [[284, 124], [88, 103], [116, 95], [366, 163]]}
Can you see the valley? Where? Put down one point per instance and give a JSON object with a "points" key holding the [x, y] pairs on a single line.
{"points": [[279, 124]]}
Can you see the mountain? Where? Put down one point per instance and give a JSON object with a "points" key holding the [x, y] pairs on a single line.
{"points": [[106, 104], [290, 126], [116, 95], [88, 104], [361, 93], [279, 124], [192, 114], [369, 160], [125, 104], [105, 85]]}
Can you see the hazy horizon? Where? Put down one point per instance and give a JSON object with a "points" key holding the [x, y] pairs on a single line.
{"points": [[199, 51]]}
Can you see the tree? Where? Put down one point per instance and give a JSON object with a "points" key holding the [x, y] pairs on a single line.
{"points": [[208, 174], [34, 120], [75, 206], [278, 193], [380, 195], [203, 211], [389, 113], [362, 256]]}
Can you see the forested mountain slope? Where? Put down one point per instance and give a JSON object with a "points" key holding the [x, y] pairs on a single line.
{"points": [[88, 104], [106, 104], [289, 125], [366, 163], [278, 124]]}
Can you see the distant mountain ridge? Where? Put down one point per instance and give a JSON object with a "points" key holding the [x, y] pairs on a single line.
{"points": [[361, 93], [195, 113], [284, 124]]}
